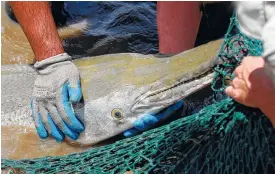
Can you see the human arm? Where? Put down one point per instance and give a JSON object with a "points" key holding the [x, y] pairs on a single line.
{"points": [[37, 22], [269, 56], [268, 37], [253, 83], [148, 121], [57, 84], [252, 87], [178, 25], [257, 20], [269, 111]]}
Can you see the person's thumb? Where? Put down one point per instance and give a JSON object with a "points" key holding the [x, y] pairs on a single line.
{"points": [[75, 91]]}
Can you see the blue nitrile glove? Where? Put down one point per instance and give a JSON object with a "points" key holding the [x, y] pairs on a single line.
{"points": [[56, 86], [148, 121]]}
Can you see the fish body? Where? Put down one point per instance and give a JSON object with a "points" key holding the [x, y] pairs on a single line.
{"points": [[117, 88], [129, 84], [132, 85]]}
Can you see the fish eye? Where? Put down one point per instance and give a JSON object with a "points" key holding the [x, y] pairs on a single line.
{"points": [[117, 114]]}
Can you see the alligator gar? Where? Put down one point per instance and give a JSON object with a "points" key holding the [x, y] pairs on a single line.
{"points": [[130, 84]]}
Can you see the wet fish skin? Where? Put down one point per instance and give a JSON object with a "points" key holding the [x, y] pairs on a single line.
{"points": [[132, 101], [131, 84]]}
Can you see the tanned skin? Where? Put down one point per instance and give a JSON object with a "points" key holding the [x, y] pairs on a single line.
{"points": [[178, 24], [252, 86], [38, 25], [176, 34], [37, 22]]}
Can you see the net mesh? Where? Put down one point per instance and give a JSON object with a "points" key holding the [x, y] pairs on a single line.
{"points": [[222, 137]]}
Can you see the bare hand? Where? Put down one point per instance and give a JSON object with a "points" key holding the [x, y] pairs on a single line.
{"points": [[251, 86]]}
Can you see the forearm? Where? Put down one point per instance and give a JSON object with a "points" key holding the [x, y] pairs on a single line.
{"points": [[269, 47], [36, 20], [269, 111], [178, 25], [269, 56]]}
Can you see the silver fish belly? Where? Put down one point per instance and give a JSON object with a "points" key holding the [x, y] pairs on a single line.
{"points": [[129, 84]]}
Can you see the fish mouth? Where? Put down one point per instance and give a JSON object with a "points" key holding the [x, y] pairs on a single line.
{"points": [[161, 95], [182, 83]]}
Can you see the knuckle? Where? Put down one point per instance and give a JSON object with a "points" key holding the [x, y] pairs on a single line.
{"points": [[236, 95], [247, 58], [238, 69], [235, 81]]}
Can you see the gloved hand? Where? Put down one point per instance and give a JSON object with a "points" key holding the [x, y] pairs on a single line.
{"points": [[56, 86], [148, 121]]}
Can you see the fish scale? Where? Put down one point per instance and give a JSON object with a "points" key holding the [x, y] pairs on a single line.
{"points": [[128, 92]]}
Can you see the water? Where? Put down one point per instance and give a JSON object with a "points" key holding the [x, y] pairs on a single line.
{"points": [[114, 27], [119, 27]]}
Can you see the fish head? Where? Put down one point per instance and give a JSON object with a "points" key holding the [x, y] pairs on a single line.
{"points": [[110, 114], [119, 89]]}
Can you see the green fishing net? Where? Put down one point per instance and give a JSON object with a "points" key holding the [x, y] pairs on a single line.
{"points": [[222, 137]]}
